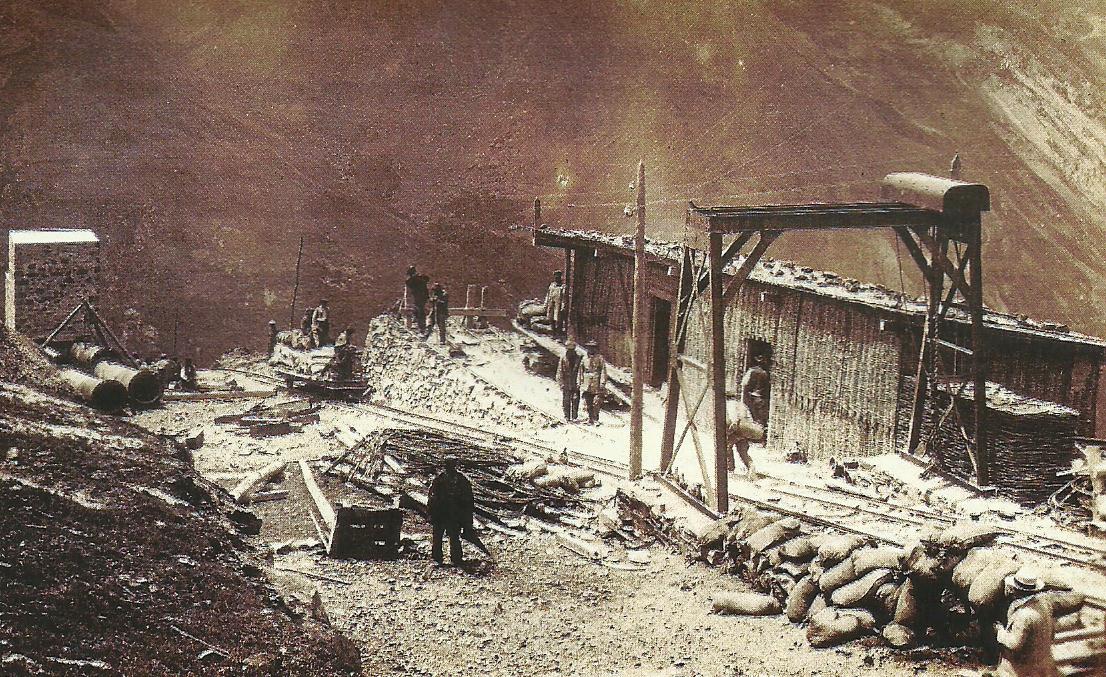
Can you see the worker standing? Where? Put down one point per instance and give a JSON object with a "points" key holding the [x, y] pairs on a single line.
{"points": [[417, 296], [305, 329], [450, 504], [1026, 640], [756, 389], [439, 311], [593, 380], [554, 302], [320, 324], [188, 377], [568, 378]]}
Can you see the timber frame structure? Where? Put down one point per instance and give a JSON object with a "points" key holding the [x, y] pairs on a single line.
{"points": [[927, 213]]}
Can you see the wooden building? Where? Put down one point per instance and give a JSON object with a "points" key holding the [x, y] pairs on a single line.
{"points": [[843, 354]]}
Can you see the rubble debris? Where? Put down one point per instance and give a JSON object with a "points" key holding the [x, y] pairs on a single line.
{"points": [[399, 462], [405, 373]]}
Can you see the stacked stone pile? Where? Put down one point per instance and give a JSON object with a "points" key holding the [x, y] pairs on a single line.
{"points": [[404, 372], [939, 589]]}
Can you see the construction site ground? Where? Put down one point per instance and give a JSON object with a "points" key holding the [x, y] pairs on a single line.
{"points": [[542, 609]]}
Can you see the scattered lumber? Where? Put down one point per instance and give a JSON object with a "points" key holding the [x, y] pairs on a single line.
{"points": [[244, 491]]}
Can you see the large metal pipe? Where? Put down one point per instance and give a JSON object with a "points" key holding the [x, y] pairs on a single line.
{"points": [[143, 385], [106, 395]]}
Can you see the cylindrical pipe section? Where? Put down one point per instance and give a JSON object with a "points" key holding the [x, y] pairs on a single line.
{"points": [[106, 395], [143, 385]]}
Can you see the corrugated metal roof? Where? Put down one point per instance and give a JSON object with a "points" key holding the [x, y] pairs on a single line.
{"points": [[788, 275]]}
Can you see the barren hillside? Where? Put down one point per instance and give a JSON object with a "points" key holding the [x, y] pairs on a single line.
{"points": [[202, 138]]}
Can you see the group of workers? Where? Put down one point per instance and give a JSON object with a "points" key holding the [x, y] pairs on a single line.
{"points": [[419, 294], [174, 370], [582, 376], [315, 325]]}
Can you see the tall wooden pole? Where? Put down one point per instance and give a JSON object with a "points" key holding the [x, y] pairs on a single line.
{"points": [[640, 330], [537, 213], [979, 360], [296, 288], [718, 376]]}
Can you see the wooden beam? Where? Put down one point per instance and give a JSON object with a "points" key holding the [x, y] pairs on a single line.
{"points": [[934, 285], [750, 262], [732, 249], [708, 486], [814, 216], [718, 372], [979, 360], [675, 348], [639, 332], [689, 416], [915, 251], [326, 511], [940, 260], [467, 311], [244, 491]]}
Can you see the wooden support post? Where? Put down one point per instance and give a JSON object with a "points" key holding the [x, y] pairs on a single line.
{"points": [[934, 283], [296, 288], [639, 331], [675, 347], [537, 213], [979, 358], [566, 304], [718, 375]]}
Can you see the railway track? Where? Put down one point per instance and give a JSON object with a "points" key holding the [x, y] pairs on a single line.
{"points": [[788, 496]]}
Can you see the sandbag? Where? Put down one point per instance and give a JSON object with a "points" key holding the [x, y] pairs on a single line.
{"points": [[745, 604], [906, 608], [836, 576], [866, 618], [800, 598], [870, 559], [715, 532], [834, 549], [829, 627], [988, 587], [964, 536], [531, 469], [919, 563], [862, 591], [887, 598], [773, 534], [798, 549], [582, 477], [794, 569], [749, 524], [899, 636], [977, 560]]}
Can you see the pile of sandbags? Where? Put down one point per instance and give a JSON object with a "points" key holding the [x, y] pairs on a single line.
{"points": [[547, 474], [309, 362], [844, 586]]}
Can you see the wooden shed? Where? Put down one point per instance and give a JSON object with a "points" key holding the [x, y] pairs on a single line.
{"points": [[842, 353]]}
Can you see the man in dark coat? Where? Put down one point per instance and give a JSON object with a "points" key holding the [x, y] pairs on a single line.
{"points": [[439, 312], [417, 296], [568, 377], [450, 504]]}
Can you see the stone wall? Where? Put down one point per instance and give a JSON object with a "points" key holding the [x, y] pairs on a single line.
{"points": [[44, 282]]}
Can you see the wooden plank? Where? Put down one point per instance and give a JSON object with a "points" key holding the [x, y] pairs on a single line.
{"points": [[326, 511], [718, 370], [466, 311], [708, 485], [170, 395], [639, 333], [675, 348], [815, 216], [244, 490]]}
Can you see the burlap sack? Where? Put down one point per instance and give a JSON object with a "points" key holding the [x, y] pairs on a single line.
{"points": [[794, 569], [887, 598], [749, 524], [800, 599], [829, 628], [834, 549], [862, 591], [976, 561], [870, 559], [866, 618], [836, 576], [964, 536], [711, 536], [531, 469], [745, 604], [899, 636], [988, 586], [773, 534], [906, 608], [798, 549]]}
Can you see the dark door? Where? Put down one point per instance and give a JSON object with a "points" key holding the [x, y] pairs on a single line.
{"points": [[662, 316]]}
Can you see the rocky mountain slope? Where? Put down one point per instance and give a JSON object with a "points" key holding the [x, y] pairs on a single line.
{"points": [[203, 138]]}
